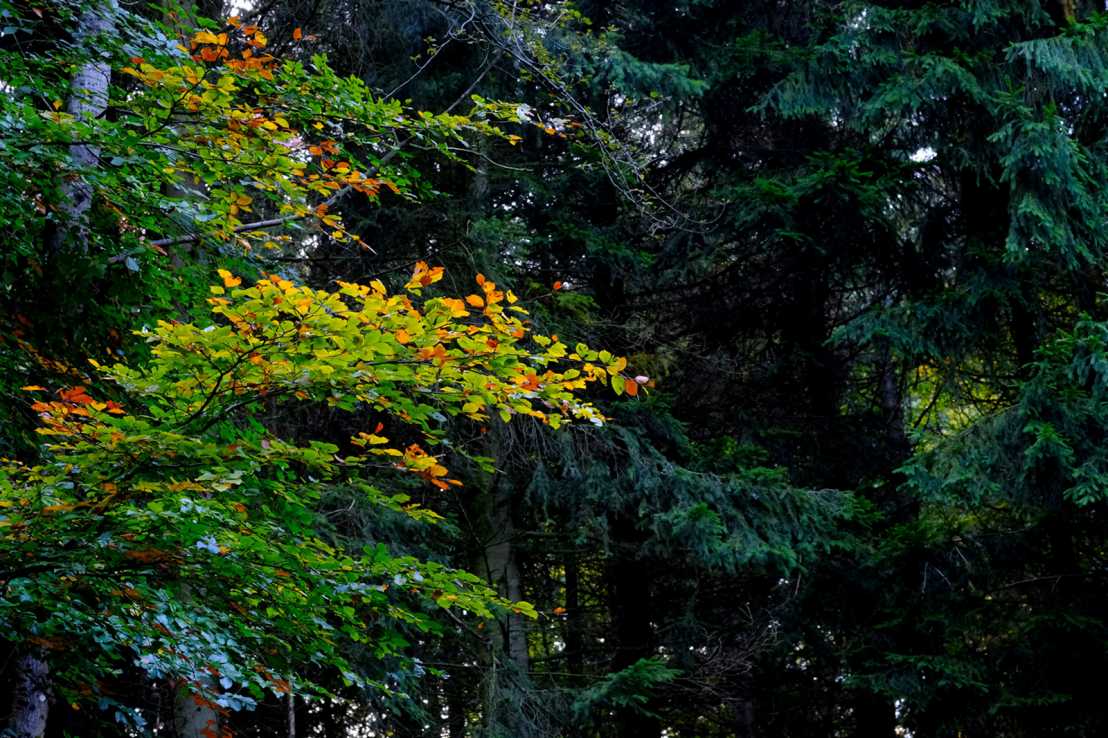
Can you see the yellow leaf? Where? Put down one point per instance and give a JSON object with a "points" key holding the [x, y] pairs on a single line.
{"points": [[457, 307], [204, 37], [229, 280]]}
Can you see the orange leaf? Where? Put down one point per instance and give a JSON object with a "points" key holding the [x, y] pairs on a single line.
{"points": [[424, 275], [403, 336], [297, 34], [631, 388], [432, 276], [75, 395], [229, 280], [475, 301], [558, 285]]}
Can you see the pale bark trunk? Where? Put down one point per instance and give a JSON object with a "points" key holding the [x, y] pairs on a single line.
{"points": [[193, 717], [31, 697], [88, 99]]}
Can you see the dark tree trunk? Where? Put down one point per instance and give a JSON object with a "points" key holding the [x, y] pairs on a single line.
{"points": [[630, 607], [874, 716], [575, 642], [456, 705]]}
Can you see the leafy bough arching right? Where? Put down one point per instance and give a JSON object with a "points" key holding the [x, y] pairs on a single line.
{"points": [[174, 533]]}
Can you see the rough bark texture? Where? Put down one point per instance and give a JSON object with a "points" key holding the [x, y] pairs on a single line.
{"points": [[31, 698], [506, 662], [194, 718], [502, 569], [88, 99]]}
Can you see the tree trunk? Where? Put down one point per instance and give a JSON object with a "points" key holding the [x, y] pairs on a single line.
{"points": [[743, 724], [456, 706], [31, 696], [88, 99], [501, 568], [874, 716], [194, 716], [506, 662], [575, 642], [630, 607]]}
